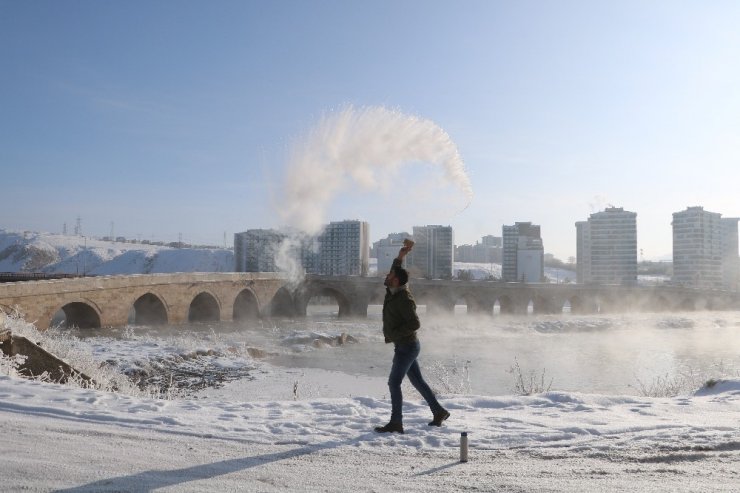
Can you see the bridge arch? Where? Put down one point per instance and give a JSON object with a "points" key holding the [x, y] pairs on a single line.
{"points": [[204, 308], [546, 304], [313, 290], [554, 304], [688, 305], [505, 305], [80, 314], [657, 303], [149, 310], [582, 305], [702, 303], [246, 306], [603, 303], [282, 304], [565, 306], [473, 303], [577, 304], [463, 300]]}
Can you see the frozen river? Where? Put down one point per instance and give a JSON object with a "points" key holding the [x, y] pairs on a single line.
{"points": [[606, 354]]}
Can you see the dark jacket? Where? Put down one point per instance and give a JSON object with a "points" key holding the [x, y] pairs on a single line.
{"points": [[400, 321]]}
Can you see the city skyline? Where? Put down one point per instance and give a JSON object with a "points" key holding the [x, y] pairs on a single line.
{"points": [[228, 241], [179, 119]]}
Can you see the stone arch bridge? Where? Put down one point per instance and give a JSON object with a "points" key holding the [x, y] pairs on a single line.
{"points": [[488, 297], [178, 298], [114, 301]]}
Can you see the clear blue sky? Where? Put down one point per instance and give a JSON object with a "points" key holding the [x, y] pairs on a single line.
{"points": [[170, 117]]}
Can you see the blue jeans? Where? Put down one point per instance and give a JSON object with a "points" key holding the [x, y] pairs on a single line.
{"points": [[404, 363]]}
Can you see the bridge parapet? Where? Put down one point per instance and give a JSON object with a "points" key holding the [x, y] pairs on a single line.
{"points": [[51, 286]]}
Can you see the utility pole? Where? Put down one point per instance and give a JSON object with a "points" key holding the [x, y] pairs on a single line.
{"points": [[84, 258]]}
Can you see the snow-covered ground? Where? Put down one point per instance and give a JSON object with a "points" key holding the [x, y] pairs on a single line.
{"points": [[263, 434]]}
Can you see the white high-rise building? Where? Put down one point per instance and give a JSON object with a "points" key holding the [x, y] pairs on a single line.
{"points": [[433, 252], [730, 258], [344, 249], [606, 247], [386, 250], [523, 257], [705, 249], [583, 251]]}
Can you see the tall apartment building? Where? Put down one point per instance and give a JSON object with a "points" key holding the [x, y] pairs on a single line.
{"points": [[523, 257], [344, 249], [254, 250], [705, 249], [386, 250], [606, 247], [730, 258], [258, 250], [583, 252], [433, 252], [492, 241], [486, 251]]}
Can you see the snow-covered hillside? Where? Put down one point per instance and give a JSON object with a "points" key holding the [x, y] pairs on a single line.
{"points": [[53, 253]]}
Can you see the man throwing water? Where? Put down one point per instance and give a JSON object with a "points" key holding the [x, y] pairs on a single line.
{"points": [[400, 323]]}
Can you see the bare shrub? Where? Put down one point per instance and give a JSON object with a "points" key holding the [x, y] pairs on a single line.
{"points": [[65, 346], [528, 383], [450, 378], [9, 364], [685, 382], [666, 386]]}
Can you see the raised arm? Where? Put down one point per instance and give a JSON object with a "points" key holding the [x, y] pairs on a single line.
{"points": [[405, 249]]}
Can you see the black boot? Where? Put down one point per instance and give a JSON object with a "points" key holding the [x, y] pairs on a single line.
{"points": [[390, 428], [439, 417]]}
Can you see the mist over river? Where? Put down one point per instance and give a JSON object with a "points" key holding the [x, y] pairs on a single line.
{"points": [[607, 354]]}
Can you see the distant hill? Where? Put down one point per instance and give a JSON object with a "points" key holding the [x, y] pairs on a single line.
{"points": [[63, 254]]}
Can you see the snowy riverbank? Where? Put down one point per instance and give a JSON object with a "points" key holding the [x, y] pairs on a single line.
{"points": [[58, 438], [260, 434]]}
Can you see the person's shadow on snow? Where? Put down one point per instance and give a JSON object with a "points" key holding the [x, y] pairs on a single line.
{"points": [[154, 479]]}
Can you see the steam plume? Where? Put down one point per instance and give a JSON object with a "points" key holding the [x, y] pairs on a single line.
{"points": [[362, 148]]}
